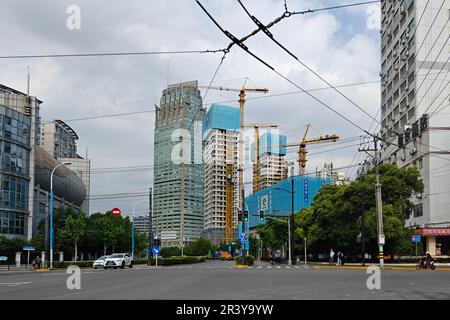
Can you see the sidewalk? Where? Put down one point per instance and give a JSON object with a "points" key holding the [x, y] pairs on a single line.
{"points": [[387, 266]]}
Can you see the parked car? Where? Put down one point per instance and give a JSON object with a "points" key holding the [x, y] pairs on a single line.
{"points": [[118, 260], [99, 262]]}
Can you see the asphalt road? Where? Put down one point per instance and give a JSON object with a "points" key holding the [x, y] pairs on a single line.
{"points": [[216, 280]]}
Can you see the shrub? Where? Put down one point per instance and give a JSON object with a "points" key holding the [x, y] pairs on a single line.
{"points": [[170, 252], [245, 260], [180, 260], [161, 262], [66, 264]]}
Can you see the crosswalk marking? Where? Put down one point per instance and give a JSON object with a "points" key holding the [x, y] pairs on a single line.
{"points": [[278, 267]]}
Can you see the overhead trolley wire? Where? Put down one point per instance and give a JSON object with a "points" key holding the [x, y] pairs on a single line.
{"points": [[105, 54]]}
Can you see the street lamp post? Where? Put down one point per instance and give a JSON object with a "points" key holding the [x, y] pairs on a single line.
{"points": [[51, 210], [132, 228], [289, 219]]}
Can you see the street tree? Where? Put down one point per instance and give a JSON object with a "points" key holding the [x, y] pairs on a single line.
{"points": [[74, 230], [334, 219]]}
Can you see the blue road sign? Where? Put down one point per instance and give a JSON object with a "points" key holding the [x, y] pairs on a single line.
{"points": [[156, 250], [417, 238], [28, 248], [229, 248]]}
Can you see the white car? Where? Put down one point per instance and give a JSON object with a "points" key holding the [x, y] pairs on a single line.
{"points": [[99, 262], [121, 260]]}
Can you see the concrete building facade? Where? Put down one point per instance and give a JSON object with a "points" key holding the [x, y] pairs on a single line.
{"points": [[272, 167], [59, 140], [415, 112], [178, 166]]}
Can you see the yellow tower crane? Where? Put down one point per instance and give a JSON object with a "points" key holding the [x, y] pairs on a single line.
{"points": [[302, 153], [230, 166], [256, 127], [242, 93]]}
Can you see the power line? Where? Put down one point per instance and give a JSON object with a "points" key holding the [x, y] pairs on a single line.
{"points": [[271, 37], [333, 8], [103, 54], [228, 101], [209, 87]]}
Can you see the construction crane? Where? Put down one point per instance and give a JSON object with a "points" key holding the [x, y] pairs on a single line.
{"points": [[242, 93], [229, 194], [256, 127], [302, 153]]}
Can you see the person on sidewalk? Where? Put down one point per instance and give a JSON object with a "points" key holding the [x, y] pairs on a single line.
{"points": [[331, 257], [339, 256]]}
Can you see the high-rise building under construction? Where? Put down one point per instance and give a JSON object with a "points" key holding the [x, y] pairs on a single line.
{"points": [[178, 165], [221, 135]]}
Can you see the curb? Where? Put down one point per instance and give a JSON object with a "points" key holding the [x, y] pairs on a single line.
{"points": [[385, 268]]}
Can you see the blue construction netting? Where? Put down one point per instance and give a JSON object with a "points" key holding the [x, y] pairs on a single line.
{"points": [[221, 117]]}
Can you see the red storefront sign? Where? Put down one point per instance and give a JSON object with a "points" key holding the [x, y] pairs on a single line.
{"points": [[434, 232]]}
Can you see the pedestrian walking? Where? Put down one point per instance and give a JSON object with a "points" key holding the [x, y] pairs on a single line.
{"points": [[339, 257], [38, 262], [331, 257]]}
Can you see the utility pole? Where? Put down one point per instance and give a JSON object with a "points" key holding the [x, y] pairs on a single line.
{"points": [[378, 198], [363, 231], [290, 218], [150, 231], [379, 206], [244, 253]]}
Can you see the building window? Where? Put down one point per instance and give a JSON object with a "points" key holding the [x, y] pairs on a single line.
{"points": [[418, 210], [12, 223]]}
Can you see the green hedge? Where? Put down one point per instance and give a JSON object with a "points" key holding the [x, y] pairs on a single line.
{"points": [[180, 260], [161, 262], [245, 260], [65, 264]]}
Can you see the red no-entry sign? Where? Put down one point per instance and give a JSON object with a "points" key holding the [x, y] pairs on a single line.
{"points": [[116, 212]]}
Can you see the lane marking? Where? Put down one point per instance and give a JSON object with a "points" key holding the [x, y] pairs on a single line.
{"points": [[14, 284]]}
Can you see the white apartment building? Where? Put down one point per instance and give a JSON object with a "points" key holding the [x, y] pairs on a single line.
{"points": [[272, 167], [328, 172], [221, 148], [415, 112]]}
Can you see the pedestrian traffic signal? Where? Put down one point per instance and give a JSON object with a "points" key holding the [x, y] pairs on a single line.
{"points": [[245, 216], [239, 215], [261, 216], [157, 242]]}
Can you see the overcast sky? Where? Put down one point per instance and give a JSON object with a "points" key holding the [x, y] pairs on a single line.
{"points": [[338, 44]]}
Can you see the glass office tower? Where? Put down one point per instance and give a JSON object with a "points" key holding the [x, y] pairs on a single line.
{"points": [[178, 177]]}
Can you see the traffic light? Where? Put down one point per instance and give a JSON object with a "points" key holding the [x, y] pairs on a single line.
{"points": [[240, 215], [261, 216], [157, 242], [245, 215]]}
